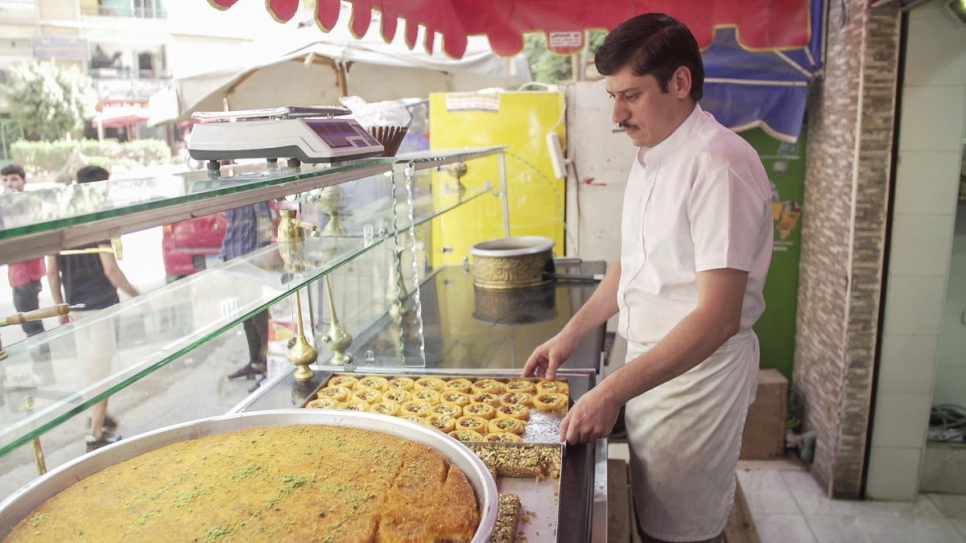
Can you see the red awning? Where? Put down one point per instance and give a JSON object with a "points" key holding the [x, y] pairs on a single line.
{"points": [[760, 24]]}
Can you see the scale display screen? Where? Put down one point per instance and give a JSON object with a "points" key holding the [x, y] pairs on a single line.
{"points": [[341, 134]]}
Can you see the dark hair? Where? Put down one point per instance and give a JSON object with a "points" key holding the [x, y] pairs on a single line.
{"points": [[653, 44], [88, 174], [14, 169]]}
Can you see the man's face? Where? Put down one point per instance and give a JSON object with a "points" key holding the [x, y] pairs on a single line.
{"points": [[646, 113], [12, 182]]}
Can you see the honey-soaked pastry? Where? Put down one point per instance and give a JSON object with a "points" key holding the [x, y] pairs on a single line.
{"points": [[385, 408], [354, 405], [242, 486], [368, 395], [466, 435], [507, 518], [557, 387], [397, 395], [433, 383], [488, 385], [517, 398], [457, 398], [529, 461], [503, 436], [401, 383], [482, 410], [513, 411], [521, 385], [458, 385], [374, 382], [477, 424], [442, 423], [417, 407], [485, 397], [347, 381], [336, 393], [323, 403], [514, 426], [426, 395], [411, 417], [549, 402], [448, 409]]}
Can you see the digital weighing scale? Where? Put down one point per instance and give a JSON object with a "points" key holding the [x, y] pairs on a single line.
{"points": [[309, 134]]}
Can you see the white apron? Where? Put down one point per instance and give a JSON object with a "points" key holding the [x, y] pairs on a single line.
{"points": [[685, 437]]}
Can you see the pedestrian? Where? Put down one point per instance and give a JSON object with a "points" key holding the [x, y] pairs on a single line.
{"points": [[248, 228], [24, 278], [696, 242], [89, 282]]}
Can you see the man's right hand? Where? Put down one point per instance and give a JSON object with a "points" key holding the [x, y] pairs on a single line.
{"points": [[548, 357]]}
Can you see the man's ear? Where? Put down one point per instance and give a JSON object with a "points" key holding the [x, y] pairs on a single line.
{"points": [[681, 82]]}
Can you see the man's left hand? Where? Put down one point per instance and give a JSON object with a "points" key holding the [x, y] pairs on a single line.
{"points": [[591, 418]]}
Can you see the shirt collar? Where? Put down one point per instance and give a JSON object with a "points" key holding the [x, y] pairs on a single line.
{"points": [[677, 138]]}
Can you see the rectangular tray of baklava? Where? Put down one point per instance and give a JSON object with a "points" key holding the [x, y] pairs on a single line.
{"points": [[470, 409]]}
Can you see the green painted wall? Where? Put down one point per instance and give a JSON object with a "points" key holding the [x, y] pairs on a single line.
{"points": [[785, 164]]}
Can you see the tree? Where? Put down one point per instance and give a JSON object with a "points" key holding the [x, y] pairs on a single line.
{"points": [[549, 67], [49, 101]]}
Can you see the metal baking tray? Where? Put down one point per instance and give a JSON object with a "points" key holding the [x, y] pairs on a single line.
{"points": [[541, 428], [21, 503]]}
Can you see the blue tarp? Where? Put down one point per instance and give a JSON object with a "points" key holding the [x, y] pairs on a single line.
{"points": [[768, 89]]}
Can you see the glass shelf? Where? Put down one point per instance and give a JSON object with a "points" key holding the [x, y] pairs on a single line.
{"points": [[158, 327], [40, 222]]}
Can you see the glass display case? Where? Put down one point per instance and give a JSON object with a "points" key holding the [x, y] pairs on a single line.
{"points": [[166, 324], [349, 275]]}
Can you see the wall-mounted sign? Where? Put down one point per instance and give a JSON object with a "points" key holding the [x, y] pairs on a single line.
{"points": [[59, 48]]}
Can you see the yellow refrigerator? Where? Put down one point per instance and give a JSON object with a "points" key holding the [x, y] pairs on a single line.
{"points": [[535, 199]]}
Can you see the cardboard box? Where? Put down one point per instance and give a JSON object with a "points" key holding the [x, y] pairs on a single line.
{"points": [[764, 435]]}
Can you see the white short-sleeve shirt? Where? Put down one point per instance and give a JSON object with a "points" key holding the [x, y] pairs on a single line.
{"points": [[699, 200]]}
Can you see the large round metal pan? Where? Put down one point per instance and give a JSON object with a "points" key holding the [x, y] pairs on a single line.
{"points": [[22, 502]]}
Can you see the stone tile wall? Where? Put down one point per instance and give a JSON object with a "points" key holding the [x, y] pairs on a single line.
{"points": [[851, 118]]}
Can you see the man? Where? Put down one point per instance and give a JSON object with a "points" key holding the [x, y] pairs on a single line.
{"points": [[24, 277], [250, 227], [90, 282], [696, 240]]}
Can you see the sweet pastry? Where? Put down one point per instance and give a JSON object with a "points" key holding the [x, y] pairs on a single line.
{"points": [[401, 383], [476, 424], [527, 461], [347, 381], [457, 398], [513, 411], [338, 393], [482, 410], [385, 408], [549, 402], [485, 397], [354, 405], [517, 398], [489, 385], [433, 383], [448, 409], [417, 407], [442, 423], [375, 382], [458, 385], [323, 403], [242, 486], [466, 435], [507, 519], [514, 426], [557, 387], [506, 437], [426, 395], [368, 395], [521, 385], [397, 395]]}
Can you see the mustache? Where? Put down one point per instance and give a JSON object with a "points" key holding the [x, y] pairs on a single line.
{"points": [[625, 124]]}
